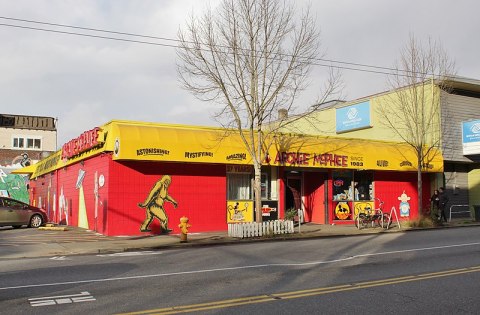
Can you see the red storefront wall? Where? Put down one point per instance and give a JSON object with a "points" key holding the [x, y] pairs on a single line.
{"points": [[314, 183], [66, 196], [388, 187], [199, 190]]}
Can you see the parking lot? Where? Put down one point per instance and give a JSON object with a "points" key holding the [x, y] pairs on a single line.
{"points": [[30, 236]]}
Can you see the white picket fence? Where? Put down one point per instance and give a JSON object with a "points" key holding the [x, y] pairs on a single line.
{"points": [[253, 229]]}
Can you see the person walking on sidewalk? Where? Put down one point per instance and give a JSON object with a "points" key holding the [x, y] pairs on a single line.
{"points": [[442, 204], [435, 202]]}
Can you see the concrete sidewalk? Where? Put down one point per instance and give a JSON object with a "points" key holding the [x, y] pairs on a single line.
{"points": [[88, 242]]}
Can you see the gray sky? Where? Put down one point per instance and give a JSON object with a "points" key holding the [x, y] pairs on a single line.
{"points": [[86, 82]]}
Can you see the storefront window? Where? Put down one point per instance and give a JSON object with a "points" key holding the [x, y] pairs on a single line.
{"points": [[352, 192], [363, 182], [239, 186], [342, 181], [265, 186], [348, 185]]}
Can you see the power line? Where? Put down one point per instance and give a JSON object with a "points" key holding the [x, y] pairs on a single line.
{"points": [[172, 40], [377, 69], [88, 35]]}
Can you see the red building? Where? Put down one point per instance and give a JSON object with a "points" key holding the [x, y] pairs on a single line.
{"points": [[132, 178]]}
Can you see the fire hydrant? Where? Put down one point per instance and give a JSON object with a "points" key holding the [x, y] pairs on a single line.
{"points": [[184, 229]]}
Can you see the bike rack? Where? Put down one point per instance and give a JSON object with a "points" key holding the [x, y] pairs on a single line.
{"points": [[465, 211]]}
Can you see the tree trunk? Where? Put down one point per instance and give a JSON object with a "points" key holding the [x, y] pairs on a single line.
{"points": [[419, 186], [257, 191]]}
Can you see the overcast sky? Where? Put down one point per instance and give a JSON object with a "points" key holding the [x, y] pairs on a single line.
{"points": [[86, 82]]}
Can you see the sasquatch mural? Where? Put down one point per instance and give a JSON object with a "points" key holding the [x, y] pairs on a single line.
{"points": [[154, 204]]}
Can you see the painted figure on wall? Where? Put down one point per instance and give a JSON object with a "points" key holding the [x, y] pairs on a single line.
{"points": [[154, 204], [404, 205]]}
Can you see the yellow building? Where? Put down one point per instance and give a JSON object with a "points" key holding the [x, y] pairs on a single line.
{"points": [[445, 115]]}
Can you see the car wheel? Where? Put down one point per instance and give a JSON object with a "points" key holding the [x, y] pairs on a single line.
{"points": [[17, 226], [35, 221]]}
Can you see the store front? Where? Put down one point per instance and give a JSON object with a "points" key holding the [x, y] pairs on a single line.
{"points": [[133, 178]]}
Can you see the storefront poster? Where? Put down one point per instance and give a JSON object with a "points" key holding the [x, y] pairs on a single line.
{"points": [[239, 211], [366, 207], [343, 211]]}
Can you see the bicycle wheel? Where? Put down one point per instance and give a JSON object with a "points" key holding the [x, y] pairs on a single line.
{"points": [[360, 221], [385, 222]]}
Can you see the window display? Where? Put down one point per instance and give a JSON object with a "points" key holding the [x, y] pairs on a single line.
{"points": [[352, 190], [342, 181]]}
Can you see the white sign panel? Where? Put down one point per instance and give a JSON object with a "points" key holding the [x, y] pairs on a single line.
{"points": [[471, 137]]}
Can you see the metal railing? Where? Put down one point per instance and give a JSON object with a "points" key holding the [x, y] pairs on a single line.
{"points": [[464, 211]]}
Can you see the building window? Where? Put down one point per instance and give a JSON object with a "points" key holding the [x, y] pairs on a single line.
{"points": [[352, 186], [239, 186], [18, 143], [26, 142], [265, 186], [342, 181]]}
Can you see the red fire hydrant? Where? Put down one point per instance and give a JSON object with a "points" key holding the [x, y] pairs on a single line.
{"points": [[184, 229]]}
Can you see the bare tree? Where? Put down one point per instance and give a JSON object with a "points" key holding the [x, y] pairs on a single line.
{"points": [[413, 110], [252, 57]]}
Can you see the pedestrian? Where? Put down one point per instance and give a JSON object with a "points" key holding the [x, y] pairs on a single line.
{"points": [[435, 201], [442, 203]]}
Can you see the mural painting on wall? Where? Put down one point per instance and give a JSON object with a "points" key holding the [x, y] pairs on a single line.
{"points": [[404, 205], [154, 205], [342, 211], [14, 186], [22, 159], [82, 209], [63, 208]]}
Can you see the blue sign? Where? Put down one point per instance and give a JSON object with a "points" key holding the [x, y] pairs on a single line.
{"points": [[353, 117], [471, 137]]}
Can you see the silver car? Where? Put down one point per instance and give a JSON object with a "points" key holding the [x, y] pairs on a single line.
{"points": [[17, 213]]}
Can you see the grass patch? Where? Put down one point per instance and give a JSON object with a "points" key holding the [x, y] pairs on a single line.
{"points": [[422, 222]]}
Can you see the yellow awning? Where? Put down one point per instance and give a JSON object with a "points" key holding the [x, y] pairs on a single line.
{"points": [[137, 141], [134, 141]]}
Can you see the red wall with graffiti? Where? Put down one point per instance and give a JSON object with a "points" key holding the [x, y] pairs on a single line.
{"points": [[200, 192], [74, 201]]}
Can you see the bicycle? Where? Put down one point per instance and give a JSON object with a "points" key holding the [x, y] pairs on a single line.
{"points": [[374, 217]]}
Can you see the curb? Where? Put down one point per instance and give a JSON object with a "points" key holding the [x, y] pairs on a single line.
{"points": [[52, 228]]}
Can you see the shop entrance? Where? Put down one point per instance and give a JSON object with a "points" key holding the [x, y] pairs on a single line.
{"points": [[293, 197]]}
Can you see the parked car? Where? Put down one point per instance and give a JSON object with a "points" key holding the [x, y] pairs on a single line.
{"points": [[17, 213]]}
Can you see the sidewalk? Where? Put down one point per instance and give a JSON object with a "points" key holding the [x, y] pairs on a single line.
{"points": [[88, 242]]}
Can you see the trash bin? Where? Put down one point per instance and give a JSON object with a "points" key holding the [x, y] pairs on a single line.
{"points": [[476, 209]]}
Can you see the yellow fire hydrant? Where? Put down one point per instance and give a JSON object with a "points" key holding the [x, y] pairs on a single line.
{"points": [[184, 229]]}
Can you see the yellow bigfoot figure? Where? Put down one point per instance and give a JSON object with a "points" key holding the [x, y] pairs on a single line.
{"points": [[154, 204]]}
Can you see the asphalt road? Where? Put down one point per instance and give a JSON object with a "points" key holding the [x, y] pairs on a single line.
{"points": [[428, 271]]}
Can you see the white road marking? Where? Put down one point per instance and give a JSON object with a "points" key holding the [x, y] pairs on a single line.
{"points": [[60, 258], [62, 299], [237, 268], [127, 254]]}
